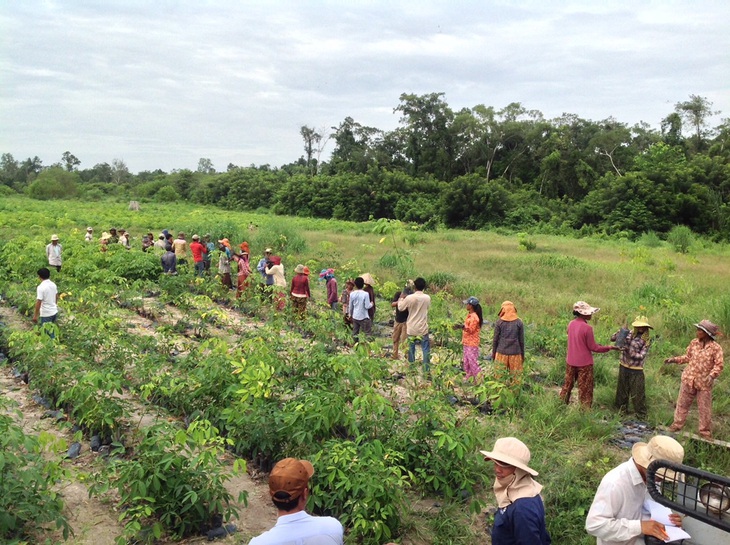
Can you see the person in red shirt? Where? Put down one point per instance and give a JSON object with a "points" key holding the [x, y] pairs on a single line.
{"points": [[244, 268], [198, 249], [299, 291], [579, 360]]}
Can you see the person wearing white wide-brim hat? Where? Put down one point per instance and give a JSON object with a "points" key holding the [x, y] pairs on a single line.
{"points": [[53, 253], [705, 361], [579, 358], [616, 516], [634, 348], [520, 516]]}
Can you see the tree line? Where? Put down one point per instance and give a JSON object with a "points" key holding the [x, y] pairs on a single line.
{"points": [[473, 168]]}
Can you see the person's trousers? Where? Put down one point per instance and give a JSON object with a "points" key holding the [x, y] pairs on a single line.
{"points": [[48, 320], [399, 336], [299, 304], [631, 387], [366, 326], [199, 268], [584, 377], [471, 361], [687, 395], [425, 348]]}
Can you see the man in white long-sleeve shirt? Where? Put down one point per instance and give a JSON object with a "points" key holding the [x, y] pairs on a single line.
{"points": [[616, 516], [357, 310]]}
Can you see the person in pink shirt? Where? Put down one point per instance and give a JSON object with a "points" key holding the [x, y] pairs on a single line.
{"points": [[579, 360]]}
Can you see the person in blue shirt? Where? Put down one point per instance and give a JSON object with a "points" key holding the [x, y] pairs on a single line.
{"points": [[520, 516]]}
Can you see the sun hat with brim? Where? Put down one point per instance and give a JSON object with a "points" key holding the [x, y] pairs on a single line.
{"points": [[225, 242], [473, 301], [289, 479], [196, 237], [641, 321], [659, 447], [54, 237], [89, 229], [708, 327], [105, 236], [510, 451], [306, 270], [299, 269], [584, 309], [368, 279]]}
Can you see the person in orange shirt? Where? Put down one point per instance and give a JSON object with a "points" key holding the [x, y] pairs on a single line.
{"points": [[470, 337]]}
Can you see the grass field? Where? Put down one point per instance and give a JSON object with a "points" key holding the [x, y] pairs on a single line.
{"points": [[571, 447]]}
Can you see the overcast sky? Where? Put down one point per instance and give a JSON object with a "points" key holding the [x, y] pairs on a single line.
{"points": [[162, 83]]}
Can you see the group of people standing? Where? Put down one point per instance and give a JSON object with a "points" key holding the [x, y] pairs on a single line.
{"points": [[703, 359]]}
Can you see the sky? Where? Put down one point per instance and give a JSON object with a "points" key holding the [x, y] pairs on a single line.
{"points": [[162, 83]]}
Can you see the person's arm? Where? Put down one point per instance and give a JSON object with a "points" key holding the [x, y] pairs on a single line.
{"points": [[369, 304], [592, 345], [350, 305], [681, 360], [601, 521], [718, 364], [37, 312], [261, 267], [403, 303], [521, 338]]}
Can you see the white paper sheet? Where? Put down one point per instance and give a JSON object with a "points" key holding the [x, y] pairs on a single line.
{"points": [[661, 514]]}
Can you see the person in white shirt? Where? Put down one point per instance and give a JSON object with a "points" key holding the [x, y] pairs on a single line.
{"points": [[616, 516], [417, 305], [46, 309], [289, 490], [89, 234], [357, 310], [53, 253]]}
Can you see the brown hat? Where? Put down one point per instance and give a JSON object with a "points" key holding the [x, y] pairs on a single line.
{"points": [[289, 478], [708, 327], [510, 451], [584, 309]]}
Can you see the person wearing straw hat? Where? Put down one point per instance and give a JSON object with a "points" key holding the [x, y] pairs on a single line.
{"points": [[704, 360], [579, 358], [53, 253], [369, 283], [89, 236], [299, 291], [616, 516], [289, 490], [631, 384], [520, 516]]}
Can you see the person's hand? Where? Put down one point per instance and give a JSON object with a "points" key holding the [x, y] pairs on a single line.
{"points": [[616, 348], [676, 519], [709, 381], [654, 528], [668, 360]]}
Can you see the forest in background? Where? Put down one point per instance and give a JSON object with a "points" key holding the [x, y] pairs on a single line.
{"points": [[475, 168]]}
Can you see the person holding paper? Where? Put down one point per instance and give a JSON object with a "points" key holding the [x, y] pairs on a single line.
{"points": [[616, 516]]}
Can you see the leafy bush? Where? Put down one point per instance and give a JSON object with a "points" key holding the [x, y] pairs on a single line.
{"points": [[681, 238], [525, 242], [440, 279], [650, 239], [27, 479], [176, 479]]}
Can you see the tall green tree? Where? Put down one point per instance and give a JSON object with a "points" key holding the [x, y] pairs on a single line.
{"points": [[696, 112]]}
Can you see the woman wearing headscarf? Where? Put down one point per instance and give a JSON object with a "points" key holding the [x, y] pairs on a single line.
{"points": [[520, 516], [328, 275], [224, 262], [244, 268], [508, 344], [299, 291], [276, 270]]}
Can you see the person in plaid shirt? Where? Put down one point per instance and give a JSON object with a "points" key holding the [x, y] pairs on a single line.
{"points": [[631, 384], [704, 360]]}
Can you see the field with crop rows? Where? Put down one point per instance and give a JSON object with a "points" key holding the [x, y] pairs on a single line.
{"points": [[190, 395]]}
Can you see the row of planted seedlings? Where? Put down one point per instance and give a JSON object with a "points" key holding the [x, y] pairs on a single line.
{"points": [[169, 477]]}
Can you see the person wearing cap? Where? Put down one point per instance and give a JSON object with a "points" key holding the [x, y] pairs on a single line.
{"points": [[244, 268], [275, 269], [89, 234], [299, 291], [508, 342], [704, 360], [520, 515], [417, 305], [267, 279], [617, 516], [631, 384], [53, 253], [579, 360], [289, 490], [470, 337], [198, 250]]}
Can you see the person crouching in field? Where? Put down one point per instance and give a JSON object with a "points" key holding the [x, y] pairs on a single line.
{"points": [[704, 360], [579, 359], [508, 343], [630, 384]]}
